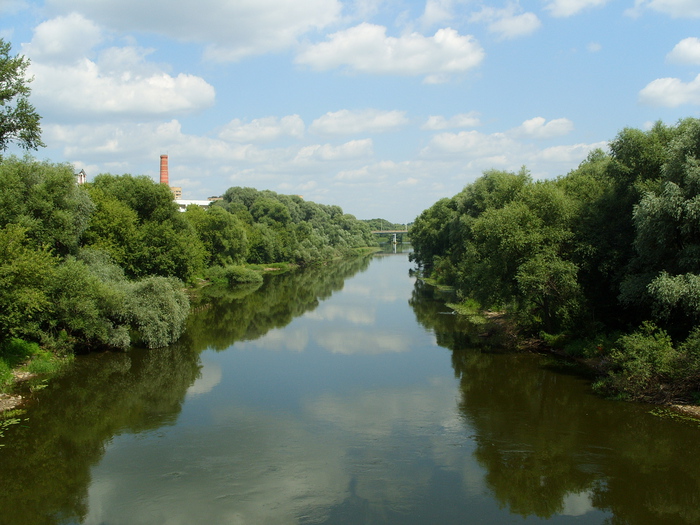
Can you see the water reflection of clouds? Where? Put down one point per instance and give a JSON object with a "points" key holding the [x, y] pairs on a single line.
{"points": [[577, 504], [294, 339], [253, 467], [378, 292], [335, 312], [209, 377], [263, 466], [350, 342]]}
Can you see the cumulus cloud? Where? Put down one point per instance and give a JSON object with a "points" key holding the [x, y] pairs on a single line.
{"points": [[325, 152], [83, 91], [569, 154], [468, 143], [564, 8], [673, 8], [687, 51], [361, 121], [539, 128], [235, 29], [462, 120], [263, 129], [366, 48], [119, 82], [436, 12], [64, 39], [671, 92], [508, 23]]}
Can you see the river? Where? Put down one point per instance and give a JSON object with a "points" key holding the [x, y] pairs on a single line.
{"points": [[346, 394]]}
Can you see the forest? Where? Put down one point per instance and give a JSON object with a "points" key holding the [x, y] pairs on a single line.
{"points": [[106, 264], [601, 264]]}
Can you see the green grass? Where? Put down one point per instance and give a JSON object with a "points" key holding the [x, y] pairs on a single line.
{"points": [[17, 354]]}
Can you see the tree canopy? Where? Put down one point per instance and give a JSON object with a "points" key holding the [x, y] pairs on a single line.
{"points": [[611, 247], [19, 120]]}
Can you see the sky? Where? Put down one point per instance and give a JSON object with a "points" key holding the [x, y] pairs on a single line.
{"points": [[381, 107]]}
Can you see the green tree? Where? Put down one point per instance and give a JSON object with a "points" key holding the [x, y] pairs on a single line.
{"points": [[665, 270], [19, 121], [222, 233], [113, 229], [25, 274], [45, 199]]}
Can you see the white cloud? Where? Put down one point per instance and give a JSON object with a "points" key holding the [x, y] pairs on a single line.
{"points": [[687, 51], [64, 39], [673, 8], [539, 128], [326, 152], [367, 49], [361, 121], [508, 23], [84, 91], [564, 8], [263, 129], [436, 12], [671, 92], [468, 143], [463, 120], [119, 82], [567, 155], [237, 28], [411, 181]]}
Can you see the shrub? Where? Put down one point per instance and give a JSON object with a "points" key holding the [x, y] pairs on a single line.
{"points": [[157, 307], [87, 306], [640, 364], [15, 351], [233, 275]]}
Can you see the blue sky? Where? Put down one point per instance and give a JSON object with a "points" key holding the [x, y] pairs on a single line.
{"points": [[379, 106]]}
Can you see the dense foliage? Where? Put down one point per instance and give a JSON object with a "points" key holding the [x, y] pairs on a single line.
{"points": [[611, 248], [19, 121], [105, 264]]}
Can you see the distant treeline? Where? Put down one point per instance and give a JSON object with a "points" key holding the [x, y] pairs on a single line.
{"points": [[603, 262], [105, 264]]}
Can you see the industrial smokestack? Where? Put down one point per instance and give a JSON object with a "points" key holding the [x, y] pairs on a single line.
{"points": [[164, 170]]}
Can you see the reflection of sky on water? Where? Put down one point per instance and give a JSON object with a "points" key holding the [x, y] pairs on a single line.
{"points": [[209, 377], [348, 406], [260, 466], [361, 315]]}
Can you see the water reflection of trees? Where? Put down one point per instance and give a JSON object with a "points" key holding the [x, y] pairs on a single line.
{"points": [[239, 315], [46, 461], [45, 465], [544, 439]]}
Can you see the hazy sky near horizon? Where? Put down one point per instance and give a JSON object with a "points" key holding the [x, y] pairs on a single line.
{"points": [[379, 106]]}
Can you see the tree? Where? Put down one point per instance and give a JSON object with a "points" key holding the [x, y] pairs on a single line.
{"points": [[19, 121], [24, 276], [222, 233], [44, 198]]}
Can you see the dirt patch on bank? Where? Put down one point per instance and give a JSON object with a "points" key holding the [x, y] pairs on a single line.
{"points": [[12, 401], [688, 410], [8, 402]]}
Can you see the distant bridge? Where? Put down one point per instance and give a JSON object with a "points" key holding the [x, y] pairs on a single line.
{"points": [[390, 231]]}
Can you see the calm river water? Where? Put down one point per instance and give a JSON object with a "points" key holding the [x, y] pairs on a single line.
{"points": [[340, 395]]}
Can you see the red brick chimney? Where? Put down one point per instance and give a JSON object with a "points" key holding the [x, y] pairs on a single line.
{"points": [[164, 170]]}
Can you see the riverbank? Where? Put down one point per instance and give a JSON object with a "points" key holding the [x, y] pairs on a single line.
{"points": [[499, 329], [32, 364]]}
